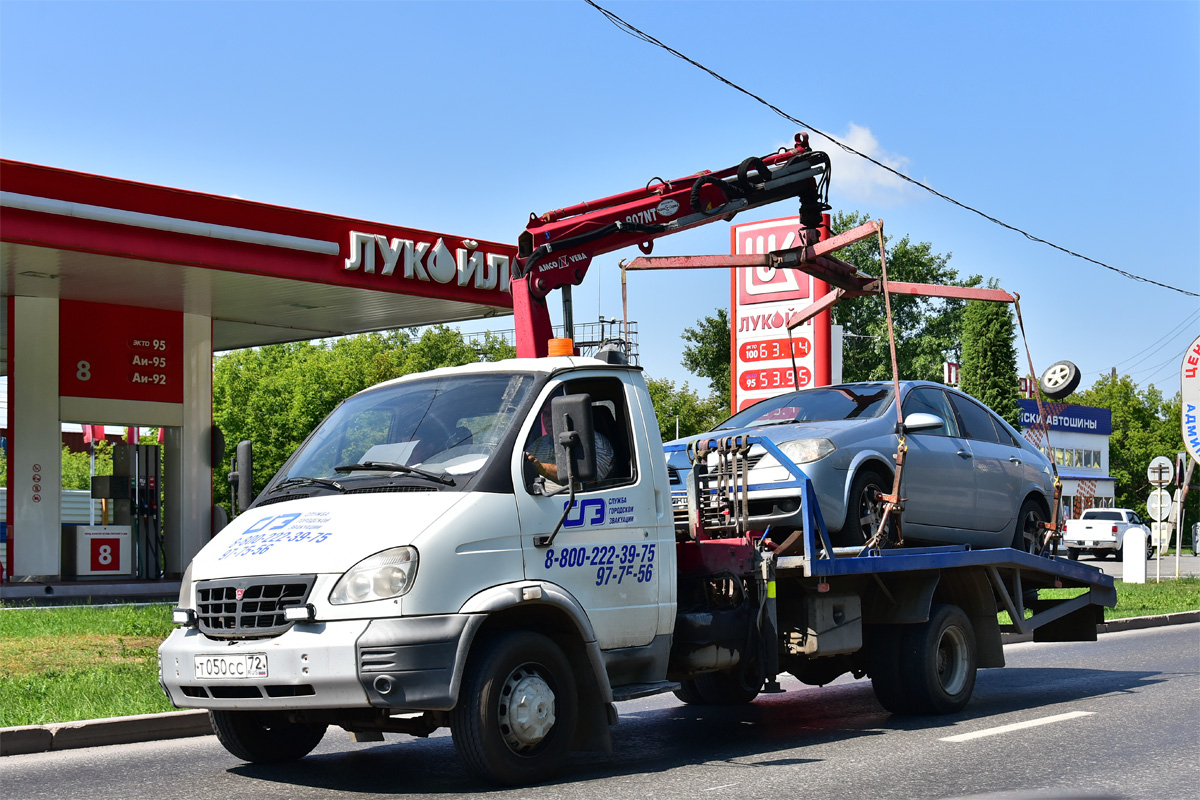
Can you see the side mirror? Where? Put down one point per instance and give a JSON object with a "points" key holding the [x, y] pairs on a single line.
{"points": [[574, 437], [920, 421], [241, 479]]}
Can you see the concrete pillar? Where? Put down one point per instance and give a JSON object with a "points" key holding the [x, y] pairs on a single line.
{"points": [[188, 478], [35, 451]]}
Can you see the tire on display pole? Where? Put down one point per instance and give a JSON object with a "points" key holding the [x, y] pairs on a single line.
{"points": [[517, 709], [938, 662], [1059, 380], [265, 737]]}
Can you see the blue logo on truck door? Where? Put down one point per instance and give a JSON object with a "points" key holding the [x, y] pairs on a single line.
{"points": [[600, 511], [587, 512]]}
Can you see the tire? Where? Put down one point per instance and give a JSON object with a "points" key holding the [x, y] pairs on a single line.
{"points": [[688, 693], [517, 710], [1073, 553], [265, 737], [1100, 555], [1059, 380], [938, 662], [862, 512], [725, 688], [884, 643], [1028, 531]]}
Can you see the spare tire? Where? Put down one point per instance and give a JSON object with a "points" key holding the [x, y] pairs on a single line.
{"points": [[1059, 380]]}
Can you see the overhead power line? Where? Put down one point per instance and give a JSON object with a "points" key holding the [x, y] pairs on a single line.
{"points": [[638, 33]]}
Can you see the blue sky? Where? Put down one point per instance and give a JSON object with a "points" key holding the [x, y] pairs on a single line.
{"points": [[1078, 121]]}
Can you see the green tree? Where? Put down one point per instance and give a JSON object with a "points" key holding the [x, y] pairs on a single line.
{"points": [[988, 370], [1144, 426], [928, 329], [683, 407], [708, 354], [76, 467]]}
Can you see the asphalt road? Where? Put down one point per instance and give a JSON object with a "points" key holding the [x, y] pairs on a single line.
{"points": [[1189, 565], [1118, 718]]}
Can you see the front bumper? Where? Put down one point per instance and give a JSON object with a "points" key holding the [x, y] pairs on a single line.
{"points": [[412, 663]]}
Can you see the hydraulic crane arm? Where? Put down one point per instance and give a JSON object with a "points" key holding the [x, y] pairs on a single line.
{"points": [[557, 247]]}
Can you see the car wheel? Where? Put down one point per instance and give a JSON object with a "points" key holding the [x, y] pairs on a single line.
{"points": [[265, 737], [728, 687], [864, 510], [517, 710], [1073, 553], [1060, 380], [1100, 555], [1028, 534]]}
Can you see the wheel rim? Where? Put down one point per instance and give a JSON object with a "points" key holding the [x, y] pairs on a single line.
{"points": [[870, 510], [952, 660], [526, 709], [1057, 376], [1031, 530]]}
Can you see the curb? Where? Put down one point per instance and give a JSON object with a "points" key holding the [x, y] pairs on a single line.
{"points": [[95, 732], [180, 724]]}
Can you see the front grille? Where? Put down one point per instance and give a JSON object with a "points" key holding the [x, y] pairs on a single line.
{"points": [[249, 608], [673, 476]]}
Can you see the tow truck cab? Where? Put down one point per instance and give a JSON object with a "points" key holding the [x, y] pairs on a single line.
{"points": [[400, 557]]}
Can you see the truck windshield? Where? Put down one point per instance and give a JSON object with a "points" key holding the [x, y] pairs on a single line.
{"points": [[825, 404], [445, 427]]}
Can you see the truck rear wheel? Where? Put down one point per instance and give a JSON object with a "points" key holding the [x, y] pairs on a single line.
{"points": [[1073, 553], [927, 668], [725, 688], [517, 710], [938, 661], [265, 737]]}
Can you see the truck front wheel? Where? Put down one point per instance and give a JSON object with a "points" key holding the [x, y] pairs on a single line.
{"points": [[516, 711], [265, 737]]}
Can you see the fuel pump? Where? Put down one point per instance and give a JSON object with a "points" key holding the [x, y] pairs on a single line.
{"points": [[141, 464]]}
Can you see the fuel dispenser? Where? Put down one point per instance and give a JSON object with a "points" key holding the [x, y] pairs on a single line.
{"points": [[142, 463]]}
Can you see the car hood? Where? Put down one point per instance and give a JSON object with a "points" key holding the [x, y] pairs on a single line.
{"points": [[322, 534]]}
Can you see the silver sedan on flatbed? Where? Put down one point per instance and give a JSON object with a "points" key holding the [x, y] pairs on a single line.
{"points": [[969, 477]]}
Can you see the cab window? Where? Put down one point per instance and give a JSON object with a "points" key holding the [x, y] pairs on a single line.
{"points": [[615, 462]]}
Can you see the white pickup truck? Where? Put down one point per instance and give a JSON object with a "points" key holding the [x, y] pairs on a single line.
{"points": [[1101, 531]]}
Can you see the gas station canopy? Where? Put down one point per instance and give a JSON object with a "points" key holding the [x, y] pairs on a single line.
{"points": [[115, 294], [262, 273]]}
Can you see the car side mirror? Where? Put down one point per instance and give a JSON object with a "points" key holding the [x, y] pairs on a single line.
{"points": [[921, 421], [574, 437]]}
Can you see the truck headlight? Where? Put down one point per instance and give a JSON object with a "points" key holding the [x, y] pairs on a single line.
{"points": [[805, 451], [383, 575]]}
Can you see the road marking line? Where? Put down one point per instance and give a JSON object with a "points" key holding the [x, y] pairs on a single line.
{"points": [[714, 788], [1016, 726]]}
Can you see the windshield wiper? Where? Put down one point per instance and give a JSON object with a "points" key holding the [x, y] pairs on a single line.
{"points": [[391, 466], [303, 480]]}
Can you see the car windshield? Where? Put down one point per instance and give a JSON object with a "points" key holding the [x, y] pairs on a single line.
{"points": [[434, 430], [826, 404]]}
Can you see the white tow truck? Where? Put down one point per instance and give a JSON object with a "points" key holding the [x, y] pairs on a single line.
{"points": [[411, 567]]}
